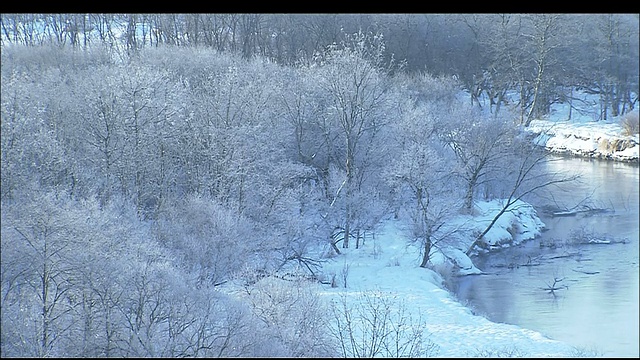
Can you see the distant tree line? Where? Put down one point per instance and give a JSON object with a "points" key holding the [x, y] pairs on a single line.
{"points": [[543, 58]]}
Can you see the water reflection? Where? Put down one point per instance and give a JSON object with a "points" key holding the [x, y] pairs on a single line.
{"points": [[599, 309]]}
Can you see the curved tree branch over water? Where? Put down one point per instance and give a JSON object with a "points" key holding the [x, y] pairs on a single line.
{"points": [[525, 180]]}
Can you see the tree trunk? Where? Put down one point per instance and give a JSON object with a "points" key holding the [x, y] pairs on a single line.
{"points": [[495, 219], [536, 92], [427, 252], [347, 228], [349, 184], [468, 199]]}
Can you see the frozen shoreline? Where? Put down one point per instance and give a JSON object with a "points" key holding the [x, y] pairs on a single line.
{"points": [[591, 139], [392, 268], [389, 267]]}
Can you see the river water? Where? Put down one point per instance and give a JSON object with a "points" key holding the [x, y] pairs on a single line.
{"points": [[597, 311]]}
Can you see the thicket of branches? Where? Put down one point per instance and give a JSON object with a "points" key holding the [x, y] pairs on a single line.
{"points": [[133, 187], [542, 57]]}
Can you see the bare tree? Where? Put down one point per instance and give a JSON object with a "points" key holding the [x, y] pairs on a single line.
{"points": [[293, 313], [614, 76], [544, 38], [353, 77], [43, 231], [523, 176], [507, 59], [480, 145], [420, 174]]}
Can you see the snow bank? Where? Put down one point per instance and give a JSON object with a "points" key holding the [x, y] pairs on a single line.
{"points": [[595, 139], [388, 265], [518, 224]]}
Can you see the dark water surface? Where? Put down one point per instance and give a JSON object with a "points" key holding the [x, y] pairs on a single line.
{"points": [[598, 312]]}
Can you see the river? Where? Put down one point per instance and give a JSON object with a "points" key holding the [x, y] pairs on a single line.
{"points": [[595, 307]]}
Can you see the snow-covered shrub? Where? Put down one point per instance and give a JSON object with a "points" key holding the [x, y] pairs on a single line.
{"points": [[292, 314], [394, 261], [631, 123], [609, 146], [505, 351], [379, 324], [210, 240]]}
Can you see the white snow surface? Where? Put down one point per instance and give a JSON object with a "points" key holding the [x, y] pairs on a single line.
{"points": [[389, 266], [582, 135]]}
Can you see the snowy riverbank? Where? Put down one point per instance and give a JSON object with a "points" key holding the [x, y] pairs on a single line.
{"points": [[382, 280], [585, 137], [387, 266]]}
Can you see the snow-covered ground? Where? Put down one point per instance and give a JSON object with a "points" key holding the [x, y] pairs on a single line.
{"points": [[389, 266], [591, 139], [582, 135]]}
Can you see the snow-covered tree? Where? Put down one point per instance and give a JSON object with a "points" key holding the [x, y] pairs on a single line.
{"points": [[524, 173], [353, 78], [421, 174], [480, 144]]}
